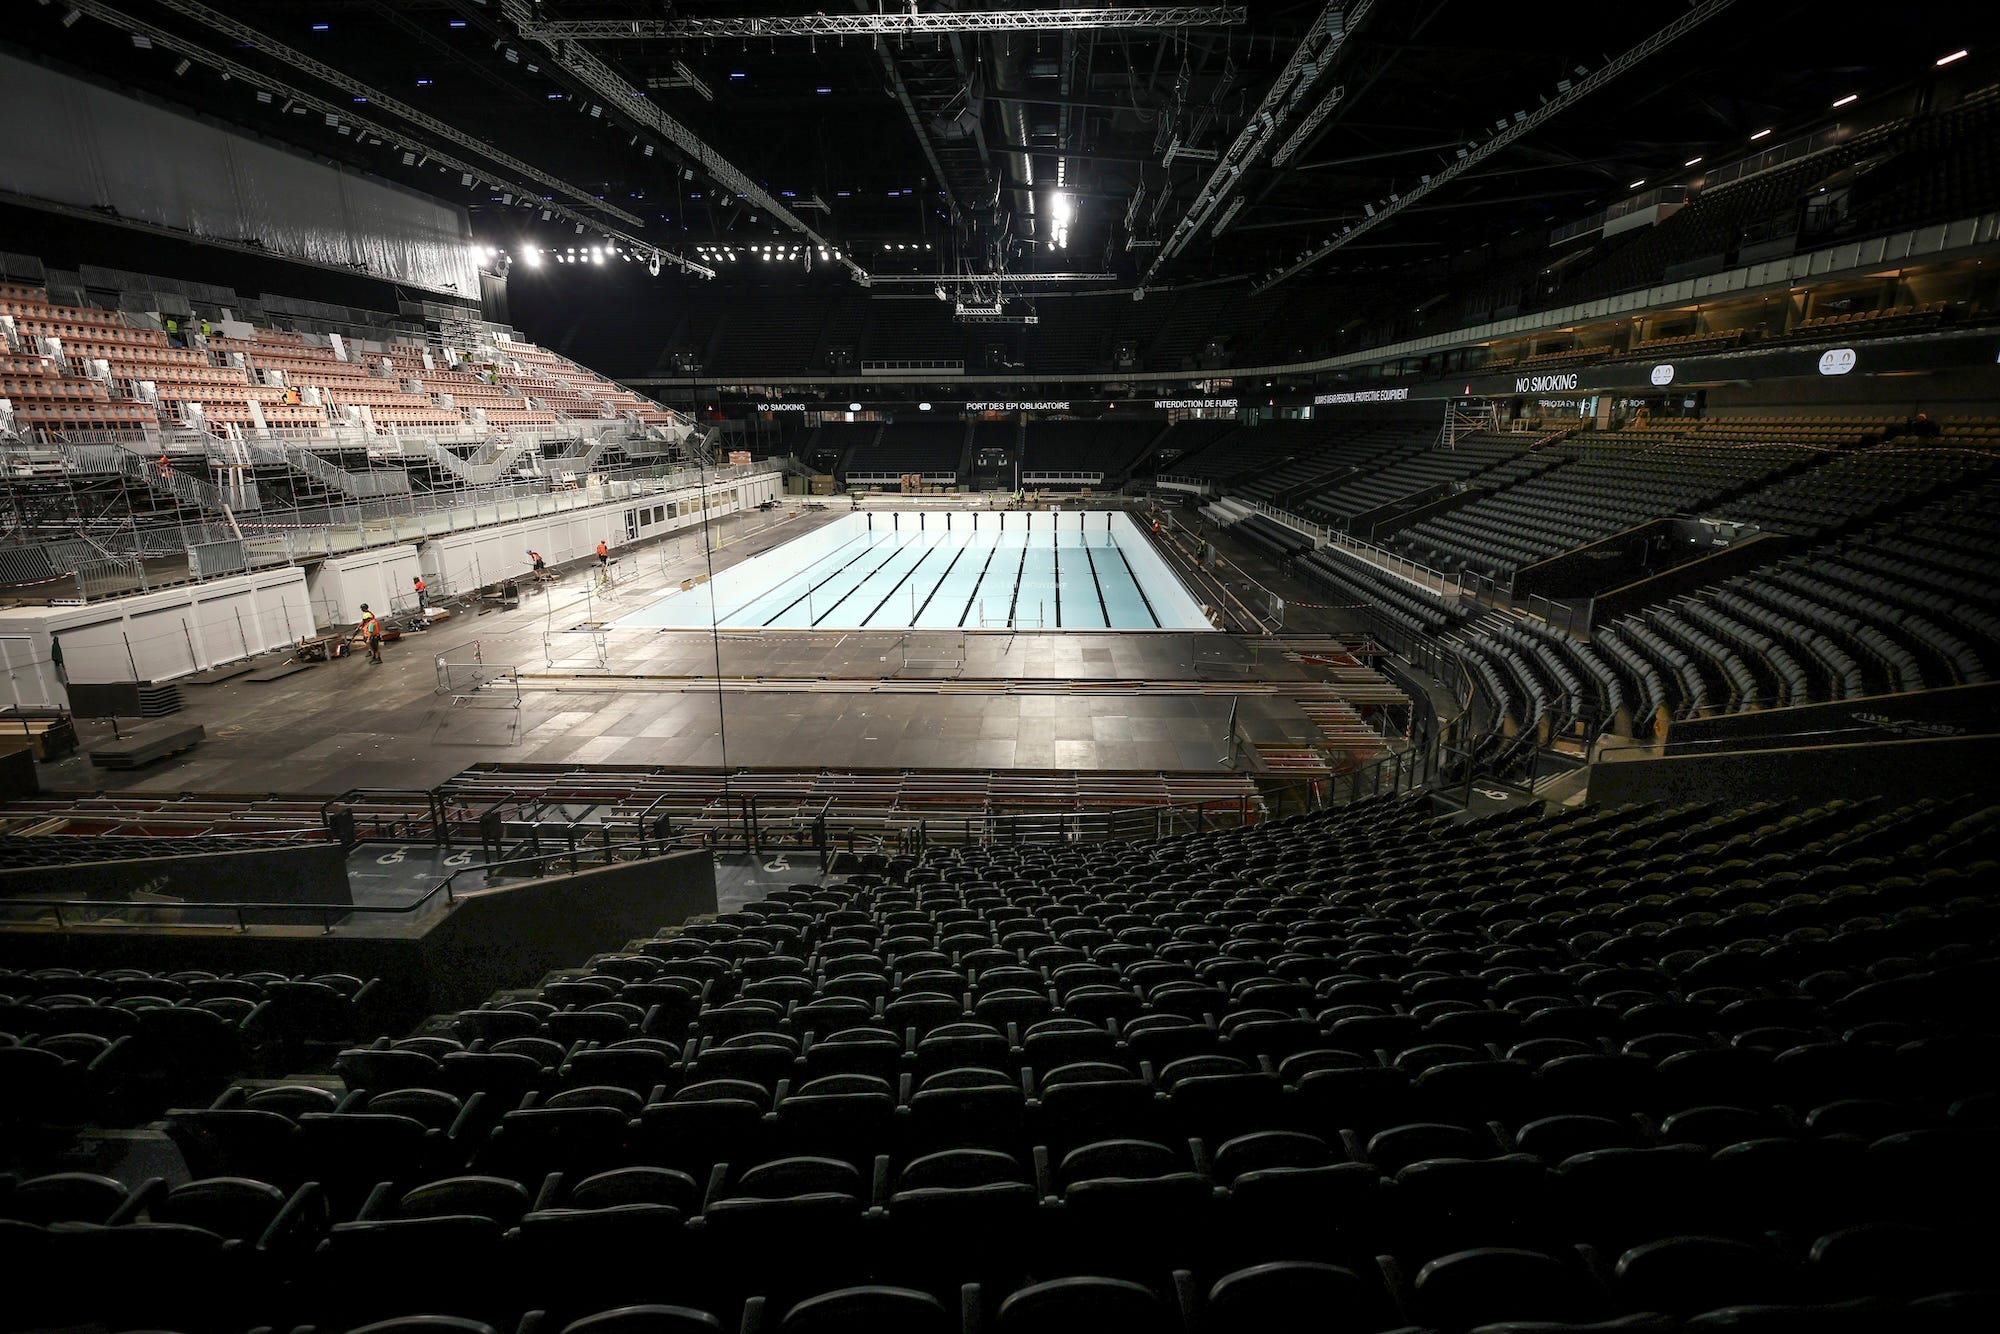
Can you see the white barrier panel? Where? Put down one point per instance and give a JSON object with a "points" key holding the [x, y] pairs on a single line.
{"points": [[379, 577], [152, 636]]}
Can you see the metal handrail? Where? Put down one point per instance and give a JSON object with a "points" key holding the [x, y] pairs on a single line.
{"points": [[328, 912]]}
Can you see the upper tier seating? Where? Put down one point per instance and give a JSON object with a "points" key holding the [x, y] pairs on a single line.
{"points": [[1586, 487], [276, 379], [1417, 465], [1852, 487], [1108, 445], [930, 447]]}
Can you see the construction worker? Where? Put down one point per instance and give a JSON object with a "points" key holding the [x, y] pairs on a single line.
{"points": [[535, 559], [204, 328], [166, 466], [603, 554], [370, 629], [417, 585], [174, 332]]}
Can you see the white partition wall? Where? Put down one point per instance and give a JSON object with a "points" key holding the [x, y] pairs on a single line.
{"points": [[381, 578], [150, 636], [474, 559]]}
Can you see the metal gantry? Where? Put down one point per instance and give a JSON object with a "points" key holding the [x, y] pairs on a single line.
{"points": [[1316, 51], [1521, 124], [889, 25], [580, 64]]}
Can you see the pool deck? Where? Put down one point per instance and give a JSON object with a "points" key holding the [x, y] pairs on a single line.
{"points": [[590, 694]]}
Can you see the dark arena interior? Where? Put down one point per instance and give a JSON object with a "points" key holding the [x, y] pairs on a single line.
{"points": [[1310, 668]]}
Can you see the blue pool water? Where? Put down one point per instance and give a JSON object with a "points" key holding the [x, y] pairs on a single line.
{"points": [[946, 570]]}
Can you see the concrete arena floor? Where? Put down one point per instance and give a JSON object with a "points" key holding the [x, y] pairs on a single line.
{"points": [[624, 697]]}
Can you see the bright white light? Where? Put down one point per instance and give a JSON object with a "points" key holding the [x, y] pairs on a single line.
{"points": [[1635, 185], [532, 258], [596, 257], [1693, 161], [1759, 135], [1851, 97], [854, 407], [1956, 55], [923, 407]]}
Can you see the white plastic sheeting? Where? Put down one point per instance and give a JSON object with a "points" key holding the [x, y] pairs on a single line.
{"points": [[94, 148]]}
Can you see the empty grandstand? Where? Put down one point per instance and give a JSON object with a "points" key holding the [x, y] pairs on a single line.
{"points": [[964, 669]]}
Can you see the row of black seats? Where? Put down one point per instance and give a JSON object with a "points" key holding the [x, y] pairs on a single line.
{"points": [[1282, 1296], [1372, 1032], [78, 1046], [229, 1252]]}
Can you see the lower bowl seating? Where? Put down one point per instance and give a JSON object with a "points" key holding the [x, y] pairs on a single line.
{"points": [[1647, 1067]]}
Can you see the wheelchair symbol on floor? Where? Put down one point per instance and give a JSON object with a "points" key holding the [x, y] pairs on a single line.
{"points": [[459, 859], [391, 858], [778, 863], [1493, 793]]}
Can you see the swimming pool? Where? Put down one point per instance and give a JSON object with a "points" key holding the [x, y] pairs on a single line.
{"points": [[945, 570]]}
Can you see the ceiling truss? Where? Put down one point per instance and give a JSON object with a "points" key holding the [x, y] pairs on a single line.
{"points": [[580, 64], [1321, 43], [1521, 124], [890, 25]]}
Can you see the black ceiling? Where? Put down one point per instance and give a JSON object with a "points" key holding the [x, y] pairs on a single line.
{"points": [[950, 146]]}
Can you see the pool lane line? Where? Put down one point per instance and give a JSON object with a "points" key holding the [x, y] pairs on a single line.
{"points": [[1014, 602], [768, 589], [1097, 583], [919, 614], [974, 595], [822, 583], [1055, 551], [1137, 586], [908, 574], [901, 547]]}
